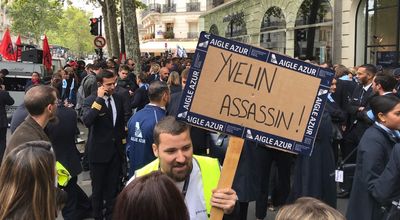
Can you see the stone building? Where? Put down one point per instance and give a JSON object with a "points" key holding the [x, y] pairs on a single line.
{"points": [[166, 24], [350, 32]]}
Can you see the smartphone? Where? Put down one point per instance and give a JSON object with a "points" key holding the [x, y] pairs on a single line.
{"points": [[100, 85]]}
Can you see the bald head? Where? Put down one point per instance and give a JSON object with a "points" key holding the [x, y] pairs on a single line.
{"points": [[164, 73], [38, 98]]}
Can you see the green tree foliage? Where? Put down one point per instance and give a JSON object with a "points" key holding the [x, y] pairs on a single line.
{"points": [[139, 4], [34, 17], [73, 32]]}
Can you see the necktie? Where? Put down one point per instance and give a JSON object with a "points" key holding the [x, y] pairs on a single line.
{"points": [[362, 94], [109, 109]]}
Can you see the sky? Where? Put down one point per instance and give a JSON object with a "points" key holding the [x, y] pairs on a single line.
{"points": [[90, 8]]}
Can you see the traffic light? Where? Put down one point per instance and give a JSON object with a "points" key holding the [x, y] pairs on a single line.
{"points": [[94, 26]]}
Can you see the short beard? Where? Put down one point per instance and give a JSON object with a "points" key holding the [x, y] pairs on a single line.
{"points": [[177, 178]]}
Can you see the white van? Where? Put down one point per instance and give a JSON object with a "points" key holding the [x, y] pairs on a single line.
{"points": [[19, 74]]}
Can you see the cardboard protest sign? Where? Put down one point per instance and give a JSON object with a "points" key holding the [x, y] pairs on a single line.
{"points": [[255, 94]]}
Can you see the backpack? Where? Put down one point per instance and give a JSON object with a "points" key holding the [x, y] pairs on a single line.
{"points": [[80, 94]]}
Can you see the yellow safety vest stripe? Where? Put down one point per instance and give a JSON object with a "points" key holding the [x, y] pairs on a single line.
{"points": [[63, 176]]}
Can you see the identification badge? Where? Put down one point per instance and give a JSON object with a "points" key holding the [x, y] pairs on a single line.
{"points": [[339, 176]]}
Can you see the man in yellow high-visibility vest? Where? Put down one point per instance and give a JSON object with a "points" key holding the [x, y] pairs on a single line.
{"points": [[195, 176]]}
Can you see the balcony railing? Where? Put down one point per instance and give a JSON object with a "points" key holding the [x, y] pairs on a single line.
{"points": [[192, 34], [148, 36], [152, 8], [169, 8], [193, 6]]}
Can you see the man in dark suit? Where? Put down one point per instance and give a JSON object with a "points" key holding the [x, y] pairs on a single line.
{"points": [[126, 99], [357, 108], [384, 84], [62, 138], [140, 97], [5, 99], [103, 114]]}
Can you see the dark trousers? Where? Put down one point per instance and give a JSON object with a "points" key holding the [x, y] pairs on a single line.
{"points": [[78, 204], [105, 182], [283, 163], [85, 159], [350, 143], [3, 142], [244, 206]]}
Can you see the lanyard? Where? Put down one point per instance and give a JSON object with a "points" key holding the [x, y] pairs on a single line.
{"points": [[185, 186]]}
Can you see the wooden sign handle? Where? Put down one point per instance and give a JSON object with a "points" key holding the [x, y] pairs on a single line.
{"points": [[231, 161]]}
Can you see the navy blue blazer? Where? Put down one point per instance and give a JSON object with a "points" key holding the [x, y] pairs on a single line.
{"points": [[373, 154], [104, 139]]}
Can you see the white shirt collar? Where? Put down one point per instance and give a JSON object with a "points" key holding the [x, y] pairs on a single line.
{"points": [[152, 104], [367, 87]]}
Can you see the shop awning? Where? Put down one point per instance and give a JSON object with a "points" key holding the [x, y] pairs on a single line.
{"points": [[159, 46]]}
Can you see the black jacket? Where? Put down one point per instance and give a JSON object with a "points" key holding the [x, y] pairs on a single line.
{"points": [[62, 137], [104, 139], [373, 154], [140, 98], [5, 99], [387, 187], [358, 120], [126, 99], [313, 174]]}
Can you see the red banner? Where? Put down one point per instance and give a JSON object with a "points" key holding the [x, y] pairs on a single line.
{"points": [[18, 52], [6, 47], [46, 54]]}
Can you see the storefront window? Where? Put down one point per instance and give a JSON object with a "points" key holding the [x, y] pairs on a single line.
{"points": [[378, 33], [313, 31], [374, 4], [273, 32]]}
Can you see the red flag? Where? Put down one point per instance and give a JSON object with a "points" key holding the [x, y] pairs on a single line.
{"points": [[6, 47], [122, 57], [18, 52], [46, 54]]}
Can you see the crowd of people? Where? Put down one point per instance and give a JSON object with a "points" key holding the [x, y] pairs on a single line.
{"points": [[144, 164]]}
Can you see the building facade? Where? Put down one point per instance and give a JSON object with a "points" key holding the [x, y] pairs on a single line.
{"points": [[351, 32], [170, 23]]}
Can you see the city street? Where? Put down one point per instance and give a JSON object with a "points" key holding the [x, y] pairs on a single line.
{"points": [[304, 92]]}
